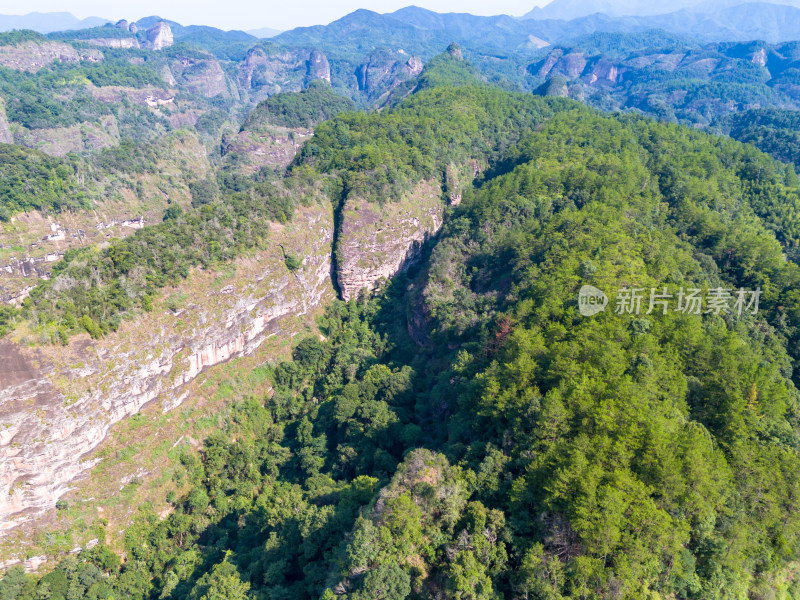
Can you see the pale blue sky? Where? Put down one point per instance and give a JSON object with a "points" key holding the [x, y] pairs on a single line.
{"points": [[249, 14]]}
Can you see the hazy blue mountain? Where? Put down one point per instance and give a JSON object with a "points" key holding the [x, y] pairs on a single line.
{"points": [[147, 22], [770, 22], [417, 31], [424, 32], [204, 31], [763, 21], [48, 22], [264, 32], [573, 9], [362, 29], [200, 35]]}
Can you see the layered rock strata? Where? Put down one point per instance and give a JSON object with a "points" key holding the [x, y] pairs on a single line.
{"points": [[376, 241], [58, 403]]}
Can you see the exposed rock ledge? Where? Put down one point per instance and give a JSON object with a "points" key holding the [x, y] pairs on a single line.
{"points": [[377, 241], [57, 404], [32, 56]]}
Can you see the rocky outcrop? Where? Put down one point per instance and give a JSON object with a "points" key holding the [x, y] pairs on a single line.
{"points": [[202, 76], [126, 42], [32, 56], [376, 241], [269, 71], [5, 132], [759, 57], [115, 93], [603, 71], [159, 36], [548, 64], [273, 147], [39, 267], [385, 71], [57, 404], [570, 65], [59, 141], [318, 67]]}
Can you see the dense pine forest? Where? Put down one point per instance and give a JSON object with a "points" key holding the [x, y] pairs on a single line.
{"points": [[466, 432]]}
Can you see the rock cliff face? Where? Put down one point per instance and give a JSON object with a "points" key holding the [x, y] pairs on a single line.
{"points": [[272, 146], [376, 241], [32, 56], [57, 404], [318, 67], [385, 71], [202, 76], [5, 131], [59, 141], [265, 72], [159, 36], [114, 42]]}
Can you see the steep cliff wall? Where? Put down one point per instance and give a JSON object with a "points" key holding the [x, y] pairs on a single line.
{"points": [[32, 56], [59, 141], [268, 146], [57, 404], [203, 76], [159, 36], [267, 71], [5, 132], [377, 241], [130, 42]]}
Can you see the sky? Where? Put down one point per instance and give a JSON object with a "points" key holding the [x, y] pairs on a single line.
{"points": [[253, 14]]}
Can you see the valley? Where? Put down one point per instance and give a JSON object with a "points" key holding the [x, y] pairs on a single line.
{"points": [[297, 317]]}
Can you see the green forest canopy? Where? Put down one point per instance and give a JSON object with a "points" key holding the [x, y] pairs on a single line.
{"points": [[306, 108], [516, 449]]}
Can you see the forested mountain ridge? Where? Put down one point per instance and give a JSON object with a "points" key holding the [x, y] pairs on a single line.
{"points": [[673, 80], [177, 222], [466, 433]]}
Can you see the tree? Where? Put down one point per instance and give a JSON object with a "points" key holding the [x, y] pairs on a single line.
{"points": [[222, 582], [388, 581]]}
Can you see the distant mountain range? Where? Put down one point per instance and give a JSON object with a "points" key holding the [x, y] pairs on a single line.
{"points": [[64, 21], [416, 31], [264, 32], [423, 32], [420, 31], [769, 22], [48, 22], [574, 9]]}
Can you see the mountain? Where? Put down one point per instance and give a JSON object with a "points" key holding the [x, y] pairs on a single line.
{"points": [[417, 31], [671, 78], [771, 22], [47, 22], [423, 32], [573, 9], [264, 32], [456, 425], [196, 32], [256, 343]]}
